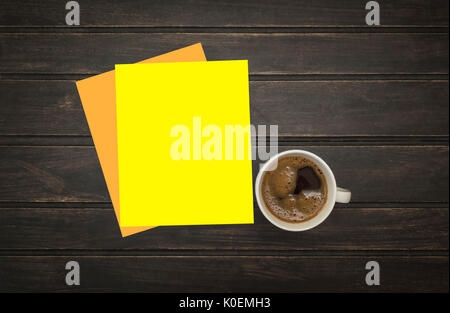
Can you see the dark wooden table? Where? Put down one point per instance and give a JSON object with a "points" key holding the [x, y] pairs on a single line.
{"points": [[372, 101]]}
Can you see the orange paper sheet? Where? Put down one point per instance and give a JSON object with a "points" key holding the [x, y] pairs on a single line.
{"points": [[98, 96]]}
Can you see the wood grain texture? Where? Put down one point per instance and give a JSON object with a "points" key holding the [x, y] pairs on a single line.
{"points": [[89, 53], [346, 229], [224, 274], [51, 174], [300, 108], [197, 13], [57, 112], [373, 174]]}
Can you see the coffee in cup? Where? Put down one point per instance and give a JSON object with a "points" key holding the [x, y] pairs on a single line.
{"points": [[296, 190]]}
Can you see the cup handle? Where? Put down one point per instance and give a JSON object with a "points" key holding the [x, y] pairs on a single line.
{"points": [[343, 195]]}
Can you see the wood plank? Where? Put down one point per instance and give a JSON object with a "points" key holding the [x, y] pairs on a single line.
{"points": [[284, 13], [89, 53], [224, 274], [300, 108], [346, 229], [367, 108], [51, 174], [374, 174], [57, 112]]}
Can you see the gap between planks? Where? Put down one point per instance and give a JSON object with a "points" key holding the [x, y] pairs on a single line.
{"points": [[86, 140], [224, 29], [108, 205], [220, 253], [255, 77]]}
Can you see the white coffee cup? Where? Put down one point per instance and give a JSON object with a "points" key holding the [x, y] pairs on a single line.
{"points": [[335, 194]]}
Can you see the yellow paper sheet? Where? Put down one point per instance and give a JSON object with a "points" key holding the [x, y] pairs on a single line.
{"points": [[156, 189], [98, 96]]}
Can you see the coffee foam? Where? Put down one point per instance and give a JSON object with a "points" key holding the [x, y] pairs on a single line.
{"points": [[278, 186]]}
